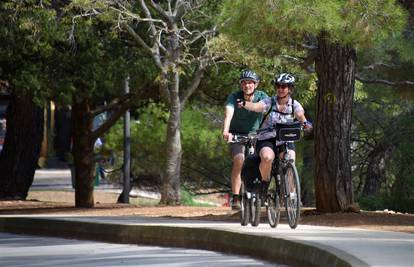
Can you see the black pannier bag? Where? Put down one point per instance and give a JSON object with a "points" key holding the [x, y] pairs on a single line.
{"points": [[250, 171], [288, 131]]}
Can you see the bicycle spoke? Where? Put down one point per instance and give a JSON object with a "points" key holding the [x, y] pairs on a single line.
{"points": [[292, 198]]}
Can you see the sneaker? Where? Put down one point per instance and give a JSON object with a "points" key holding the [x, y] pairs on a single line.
{"points": [[235, 202], [264, 203]]}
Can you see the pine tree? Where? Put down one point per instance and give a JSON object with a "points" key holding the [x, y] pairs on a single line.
{"points": [[323, 37]]}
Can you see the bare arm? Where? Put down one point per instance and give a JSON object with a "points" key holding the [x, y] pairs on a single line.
{"points": [[300, 116], [255, 107], [228, 115]]}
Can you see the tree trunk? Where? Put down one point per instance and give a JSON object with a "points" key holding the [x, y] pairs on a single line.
{"points": [[376, 168], [374, 177], [63, 130], [306, 175], [83, 154], [335, 67], [20, 154], [170, 188]]}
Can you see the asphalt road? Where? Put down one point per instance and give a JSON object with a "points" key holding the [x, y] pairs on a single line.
{"points": [[26, 250], [319, 245]]}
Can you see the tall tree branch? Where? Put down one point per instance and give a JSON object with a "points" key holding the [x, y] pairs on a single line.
{"points": [[154, 51], [113, 105], [195, 82], [162, 12], [382, 81], [114, 116], [148, 15]]}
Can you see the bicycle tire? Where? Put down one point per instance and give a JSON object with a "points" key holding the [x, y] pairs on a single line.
{"points": [[273, 208], [244, 207], [255, 207], [292, 194]]}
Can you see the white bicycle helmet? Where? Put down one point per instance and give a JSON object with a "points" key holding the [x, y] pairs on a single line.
{"points": [[284, 78]]}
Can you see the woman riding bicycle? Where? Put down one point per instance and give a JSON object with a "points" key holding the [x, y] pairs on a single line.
{"points": [[281, 108]]}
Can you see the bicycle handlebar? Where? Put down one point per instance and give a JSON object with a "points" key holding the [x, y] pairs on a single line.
{"points": [[246, 138], [243, 138], [274, 127]]}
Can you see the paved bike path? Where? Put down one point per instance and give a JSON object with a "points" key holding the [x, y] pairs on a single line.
{"points": [[304, 246]]}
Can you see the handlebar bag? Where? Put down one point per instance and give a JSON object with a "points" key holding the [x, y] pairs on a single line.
{"points": [[288, 131]]}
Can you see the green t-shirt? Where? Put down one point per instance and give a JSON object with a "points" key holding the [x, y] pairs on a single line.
{"points": [[244, 121]]}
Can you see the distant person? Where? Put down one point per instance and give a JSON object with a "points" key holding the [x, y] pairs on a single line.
{"points": [[100, 160], [241, 121], [98, 144], [3, 127]]}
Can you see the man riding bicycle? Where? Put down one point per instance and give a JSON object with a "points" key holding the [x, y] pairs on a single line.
{"points": [[281, 108], [241, 121]]}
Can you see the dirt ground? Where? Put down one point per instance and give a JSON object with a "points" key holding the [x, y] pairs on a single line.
{"points": [[62, 203]]}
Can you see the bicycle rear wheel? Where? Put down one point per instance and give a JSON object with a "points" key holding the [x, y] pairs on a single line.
{"points": [[292, 194], [255, 207], [244, 206]]}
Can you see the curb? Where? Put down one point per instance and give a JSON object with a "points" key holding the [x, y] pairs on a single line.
{"points": [[278, 250]]}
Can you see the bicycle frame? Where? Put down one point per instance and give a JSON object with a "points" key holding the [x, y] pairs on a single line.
{"points": [[287, 185], [250, 201], [287, 188], [248, 141]]}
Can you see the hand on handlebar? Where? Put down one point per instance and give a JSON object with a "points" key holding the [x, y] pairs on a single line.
{"points": [[307, 126], [227, 136]]}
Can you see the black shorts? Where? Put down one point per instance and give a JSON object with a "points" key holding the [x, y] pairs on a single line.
{"points": [[271, 143]]}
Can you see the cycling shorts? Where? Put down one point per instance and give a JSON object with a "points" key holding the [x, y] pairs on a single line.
{"points": [[271, 143], [236, 148]]}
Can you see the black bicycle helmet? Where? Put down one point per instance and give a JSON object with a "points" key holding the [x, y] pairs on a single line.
{"points": [[249, 75], [284, 78]]}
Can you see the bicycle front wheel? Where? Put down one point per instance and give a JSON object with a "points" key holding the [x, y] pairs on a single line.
{"points": [[244, 206], [273, 205], [255, 206], [292, 194]]}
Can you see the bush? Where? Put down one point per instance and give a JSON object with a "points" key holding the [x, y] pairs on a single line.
{"points": [[186, 198], [380, 202], [205, 157], [373, 203]]}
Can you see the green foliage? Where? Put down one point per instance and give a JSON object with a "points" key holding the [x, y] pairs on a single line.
{"points": [[52, 53], [204, 157], [218, 82], [384, 128], [381, 202], [279, 22], [26, 30], [147, 140], [373, 203], [187, 199]]}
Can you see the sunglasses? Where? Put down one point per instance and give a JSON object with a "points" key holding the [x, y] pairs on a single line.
{"points": [[283, 86]]}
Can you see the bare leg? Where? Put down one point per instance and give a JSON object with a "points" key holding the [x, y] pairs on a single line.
{"points": [[266, 158], [238, 160]]}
